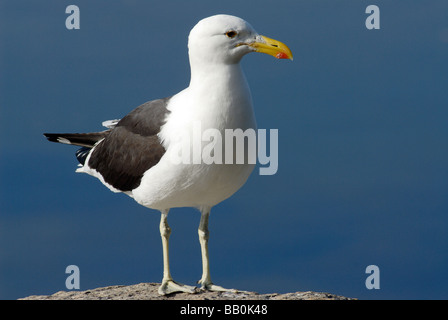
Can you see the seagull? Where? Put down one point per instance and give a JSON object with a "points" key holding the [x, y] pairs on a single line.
{"points": [[135, 154]]}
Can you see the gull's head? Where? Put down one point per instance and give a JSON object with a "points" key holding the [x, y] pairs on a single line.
{"points": [[226, 39]]}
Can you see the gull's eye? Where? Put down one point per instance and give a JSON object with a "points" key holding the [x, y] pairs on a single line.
{"points": [[231, 34]]}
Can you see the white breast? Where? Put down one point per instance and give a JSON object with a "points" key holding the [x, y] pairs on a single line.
{"points": [[221, 103]]}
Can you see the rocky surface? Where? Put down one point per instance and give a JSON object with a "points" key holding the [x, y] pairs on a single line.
{"points": [[148, 291]]}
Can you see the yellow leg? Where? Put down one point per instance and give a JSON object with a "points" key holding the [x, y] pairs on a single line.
{"points": [[206, 282], [168, 284]]}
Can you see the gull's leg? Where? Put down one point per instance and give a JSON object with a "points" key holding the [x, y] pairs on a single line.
{"points": [[168, 284], [206, 282]]}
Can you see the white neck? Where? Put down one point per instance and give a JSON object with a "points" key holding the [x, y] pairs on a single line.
{"points": [[215, 73], [223, 92]]}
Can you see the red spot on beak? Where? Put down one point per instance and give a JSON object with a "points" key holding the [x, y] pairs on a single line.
{"points": [[282, 55]]}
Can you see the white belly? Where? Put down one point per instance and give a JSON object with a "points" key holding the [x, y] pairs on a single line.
{"points": [[187, 184], [190, 185]]}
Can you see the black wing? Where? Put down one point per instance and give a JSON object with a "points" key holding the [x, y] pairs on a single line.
{"points": [[132, 147]]}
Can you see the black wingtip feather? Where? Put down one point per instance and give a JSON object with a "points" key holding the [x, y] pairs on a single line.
{"points": [[51, 137], [78, 139], [82, 153]]}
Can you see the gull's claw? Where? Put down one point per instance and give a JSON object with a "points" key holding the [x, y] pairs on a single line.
{"points": [[171, 286]]}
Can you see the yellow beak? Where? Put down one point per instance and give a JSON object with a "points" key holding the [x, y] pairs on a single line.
{"points": [[272, 47]]}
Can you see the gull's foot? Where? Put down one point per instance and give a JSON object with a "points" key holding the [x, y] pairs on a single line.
{"points": [[208, 285], [171, 286]]}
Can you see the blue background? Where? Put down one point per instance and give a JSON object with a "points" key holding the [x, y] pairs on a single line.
{"points": [[362, 120]]}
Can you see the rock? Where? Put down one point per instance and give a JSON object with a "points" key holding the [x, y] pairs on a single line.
{"points": [[148, 291]]}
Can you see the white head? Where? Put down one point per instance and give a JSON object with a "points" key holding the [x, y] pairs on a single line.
{"points": [[226, 39]]}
